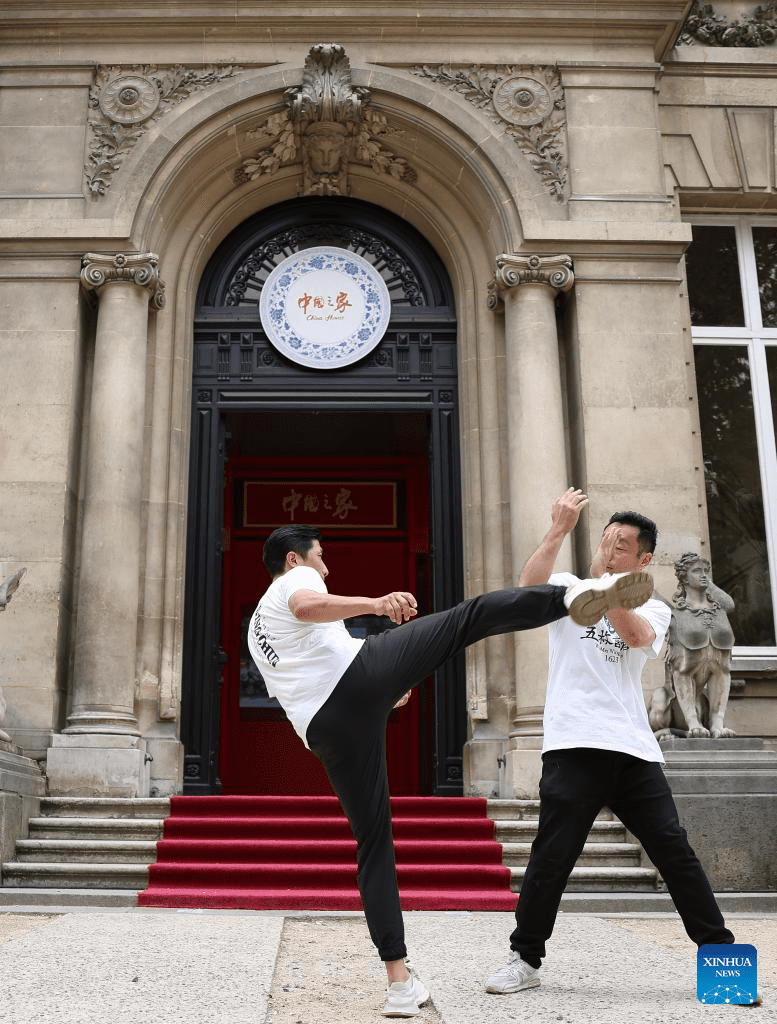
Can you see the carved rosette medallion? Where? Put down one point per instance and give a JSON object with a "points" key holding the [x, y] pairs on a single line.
{"points": [[141, 269], [512, 270], [130, 99], [521, 100]]}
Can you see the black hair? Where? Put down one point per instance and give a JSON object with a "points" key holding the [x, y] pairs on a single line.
{"points": [[647, 537], [299, 539]]}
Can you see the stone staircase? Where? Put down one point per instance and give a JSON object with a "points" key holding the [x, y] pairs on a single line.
{"points": [[87, 843], [610, 862], [105, 845]]}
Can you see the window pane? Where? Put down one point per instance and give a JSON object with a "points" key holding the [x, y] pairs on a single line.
{"points": [[765, 244], [771, 365], [734, 499], [714, 291]]}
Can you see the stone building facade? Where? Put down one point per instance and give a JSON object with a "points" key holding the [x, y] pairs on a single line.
{"points": [[527, 178]]}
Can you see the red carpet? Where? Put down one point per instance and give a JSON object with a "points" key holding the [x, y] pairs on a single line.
{"points": [[297, 853]]}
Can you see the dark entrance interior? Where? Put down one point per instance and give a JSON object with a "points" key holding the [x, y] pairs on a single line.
{"points": [[376, 539], [389, 422]]}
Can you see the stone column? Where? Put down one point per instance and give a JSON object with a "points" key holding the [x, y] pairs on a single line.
{"points": [[526, 288], [101, 752]]}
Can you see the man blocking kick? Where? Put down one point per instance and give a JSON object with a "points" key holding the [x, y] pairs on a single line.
{"points": [[598, 748]]}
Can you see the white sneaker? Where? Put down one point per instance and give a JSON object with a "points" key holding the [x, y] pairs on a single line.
{"points": [[405, 998], [513, 977], [588, 600]]}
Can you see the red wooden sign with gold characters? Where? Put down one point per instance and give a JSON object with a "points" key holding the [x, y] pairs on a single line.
{"points": [[335, 504]]}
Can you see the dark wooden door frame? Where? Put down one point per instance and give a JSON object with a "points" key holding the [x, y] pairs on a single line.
{"points": [[235, 370]]}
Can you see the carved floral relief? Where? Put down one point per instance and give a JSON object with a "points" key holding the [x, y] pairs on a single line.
{"points": [[528, 102], [328, 124], [708, 28], [361, 144], [124, 102]]}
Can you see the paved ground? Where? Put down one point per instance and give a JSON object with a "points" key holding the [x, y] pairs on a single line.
{"points": [[128, 966]]}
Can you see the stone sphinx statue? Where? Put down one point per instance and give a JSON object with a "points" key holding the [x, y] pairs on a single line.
{"points": [[7, 589], [694, 697]]}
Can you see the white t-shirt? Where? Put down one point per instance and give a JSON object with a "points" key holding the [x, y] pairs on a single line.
{"points": [[301, 662], [595, 697]]}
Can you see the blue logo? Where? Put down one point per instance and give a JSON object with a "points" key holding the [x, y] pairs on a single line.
{"points": [[727, 973]]}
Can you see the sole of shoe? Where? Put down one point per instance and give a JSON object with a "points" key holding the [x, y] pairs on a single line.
{"points": [[507, 990], [404, 1011], [625, 592]]}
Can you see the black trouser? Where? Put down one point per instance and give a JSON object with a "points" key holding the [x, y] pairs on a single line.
{"points": [[348, 733], [576, 784]]}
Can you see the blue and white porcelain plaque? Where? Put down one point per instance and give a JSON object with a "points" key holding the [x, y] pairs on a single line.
{"points": [[325, 307]]}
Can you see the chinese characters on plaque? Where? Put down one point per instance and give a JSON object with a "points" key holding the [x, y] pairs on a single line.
{"points": [[365, 505], [323, 307]]}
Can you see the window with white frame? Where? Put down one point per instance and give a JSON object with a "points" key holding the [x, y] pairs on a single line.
{"points": [[731, 269]]}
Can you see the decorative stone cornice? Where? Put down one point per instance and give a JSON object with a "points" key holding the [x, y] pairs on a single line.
{"points": [[327, 125], [124, 102], [512, 270], [141, 269], [706, 27], [527, 101]]}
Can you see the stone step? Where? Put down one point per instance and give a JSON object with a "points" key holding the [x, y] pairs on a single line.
{"points": [[513, 810], [105, 807], [94, 843], [51, 875], [517, 810], [26, 899], [603, 903], [608, 862], [98, 829], [86, 850], [525, 830], [600, 879], [594, 855]]}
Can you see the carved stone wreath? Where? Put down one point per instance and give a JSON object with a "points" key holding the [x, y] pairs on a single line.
{"points": [[365, 144], [124, 101], [706, 27], [527, 101]]}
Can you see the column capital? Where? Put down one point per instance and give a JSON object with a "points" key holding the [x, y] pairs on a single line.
{"points": [[140, 268], [512, 270]]}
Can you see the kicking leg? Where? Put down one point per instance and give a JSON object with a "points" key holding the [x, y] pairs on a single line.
{"points": [[394, 661]]}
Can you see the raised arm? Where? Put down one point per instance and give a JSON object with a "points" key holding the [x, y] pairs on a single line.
{"points": [[631, 627], [310, 606], [564, 516]]}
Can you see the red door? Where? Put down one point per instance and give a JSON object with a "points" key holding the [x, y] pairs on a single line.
{"points": [[373, 514]]}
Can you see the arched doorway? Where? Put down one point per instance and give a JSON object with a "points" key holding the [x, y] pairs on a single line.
{"points": [[265, 429]]}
